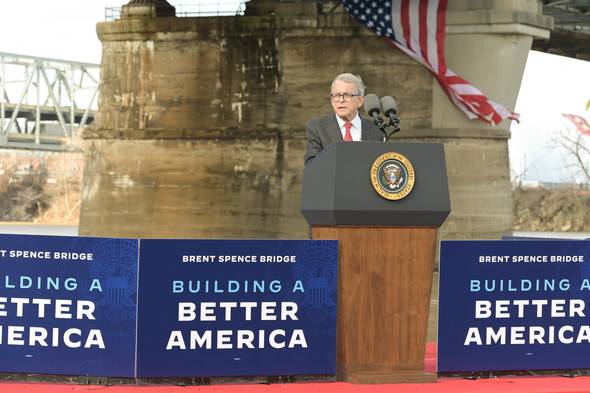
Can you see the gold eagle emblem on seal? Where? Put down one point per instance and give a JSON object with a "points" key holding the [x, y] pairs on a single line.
{"points": [[392, 176]]}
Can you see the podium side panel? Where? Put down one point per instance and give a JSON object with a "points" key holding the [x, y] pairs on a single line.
{"points": [[317, 189]]}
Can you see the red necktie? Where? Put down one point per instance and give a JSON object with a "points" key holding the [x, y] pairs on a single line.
{"points": [[348, 137]]}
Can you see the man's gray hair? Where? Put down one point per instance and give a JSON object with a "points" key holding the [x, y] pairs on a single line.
{"points": [[350, 78]]}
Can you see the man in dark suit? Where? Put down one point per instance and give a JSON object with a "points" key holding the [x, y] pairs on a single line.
{"points": [[347, 96]]}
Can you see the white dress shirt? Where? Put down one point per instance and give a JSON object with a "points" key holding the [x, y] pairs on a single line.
{"points": [[355, 130]]}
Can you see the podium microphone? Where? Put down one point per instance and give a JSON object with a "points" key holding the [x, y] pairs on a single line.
{"points": [[372, 105], [390, 110], [389, 106], [373, 108]]}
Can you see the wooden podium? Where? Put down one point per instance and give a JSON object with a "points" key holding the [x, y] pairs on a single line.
{"points": [[386, 255]]}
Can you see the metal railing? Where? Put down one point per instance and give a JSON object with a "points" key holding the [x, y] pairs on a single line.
{"points": [[44, 101], [221, 8]]}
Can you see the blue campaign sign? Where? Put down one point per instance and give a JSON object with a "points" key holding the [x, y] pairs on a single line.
{"points": [[68, 305], [514, 305], [236, 307]]}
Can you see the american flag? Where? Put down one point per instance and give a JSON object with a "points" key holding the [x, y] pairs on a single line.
{"points": [[417, 27], [581, 124]]}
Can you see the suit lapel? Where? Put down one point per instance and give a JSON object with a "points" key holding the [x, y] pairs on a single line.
{"points": [[332, 129], [367, 131], [365, 134]]}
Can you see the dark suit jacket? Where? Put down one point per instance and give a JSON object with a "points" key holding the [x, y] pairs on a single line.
{"points": [[323, 130]]}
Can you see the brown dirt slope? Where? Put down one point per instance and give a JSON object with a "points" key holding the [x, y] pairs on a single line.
{"points": [[552, 210]]}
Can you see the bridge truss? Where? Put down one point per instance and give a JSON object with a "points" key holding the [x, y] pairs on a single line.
{"points": [[43, 102]]}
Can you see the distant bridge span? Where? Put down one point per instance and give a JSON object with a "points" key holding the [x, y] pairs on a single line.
{"points": [[44, 101]]}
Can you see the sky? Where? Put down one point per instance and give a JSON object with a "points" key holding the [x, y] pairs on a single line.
{"points": [[552, 85], [63, 29]]}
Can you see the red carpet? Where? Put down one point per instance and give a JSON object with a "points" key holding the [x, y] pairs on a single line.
{"points": [[532, 384]]}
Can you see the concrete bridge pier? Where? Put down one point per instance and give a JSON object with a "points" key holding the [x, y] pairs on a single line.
{"points": [[200, 130], [487, 44]]}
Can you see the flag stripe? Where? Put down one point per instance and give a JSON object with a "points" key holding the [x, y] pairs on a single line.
{"points": [[404, 11], [439, 29], [423, 32], [418, 29]]}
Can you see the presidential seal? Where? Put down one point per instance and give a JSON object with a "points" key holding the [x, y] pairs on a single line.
{"points": [[392, 176]]}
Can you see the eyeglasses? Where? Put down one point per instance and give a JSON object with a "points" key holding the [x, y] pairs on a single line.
{"points": [[346, 97]]}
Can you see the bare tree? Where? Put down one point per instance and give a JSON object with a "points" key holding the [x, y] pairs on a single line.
{"points": [[577, 147], [573, 147]]}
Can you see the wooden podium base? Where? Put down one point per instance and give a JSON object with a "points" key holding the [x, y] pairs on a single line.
{"points": [[369, 377], [384, 284]]}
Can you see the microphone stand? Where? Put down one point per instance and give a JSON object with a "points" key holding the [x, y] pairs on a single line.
{"points": [[393, 122]]}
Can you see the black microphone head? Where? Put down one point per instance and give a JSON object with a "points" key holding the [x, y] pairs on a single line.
{"points": [[372, 105], [389, 106]]}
